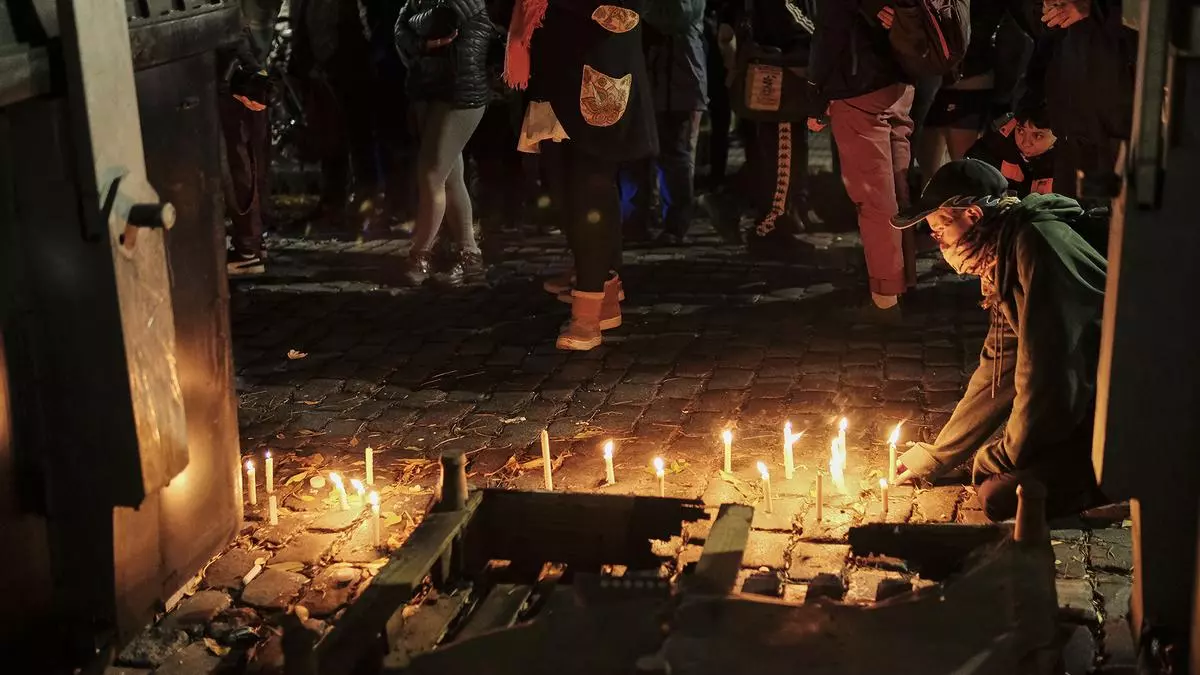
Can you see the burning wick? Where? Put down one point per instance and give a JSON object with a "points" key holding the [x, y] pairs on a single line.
{"points": [[892, 441], [837, 465], [359, 490], [789, 441], [766, 480], [608, 463], [546, 469], [883, 493], [341, 490], [727, 436], [273, 509], [820, 497], [370, 466], [252, 482], [375, 534], [661, 472], [270, 463]]}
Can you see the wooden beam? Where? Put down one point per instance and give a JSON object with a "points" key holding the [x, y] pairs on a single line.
{"points": [[394, 586], [584, 531], [935, 550], [498, 610], [717, 570]]}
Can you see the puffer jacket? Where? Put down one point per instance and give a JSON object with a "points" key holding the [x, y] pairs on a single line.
{"points": [[456, 73], [675, 55]]}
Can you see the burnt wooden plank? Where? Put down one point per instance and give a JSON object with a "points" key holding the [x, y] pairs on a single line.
{"points": [[584, 531], [424, 629], [935, 550], [363, 622], [498, 610], [717, 569]]}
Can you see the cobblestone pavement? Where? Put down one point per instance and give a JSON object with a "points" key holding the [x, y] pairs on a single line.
{"points": [[333, 356]]}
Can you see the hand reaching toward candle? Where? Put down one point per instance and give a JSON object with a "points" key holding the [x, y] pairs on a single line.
{"points": [[917, 463]]}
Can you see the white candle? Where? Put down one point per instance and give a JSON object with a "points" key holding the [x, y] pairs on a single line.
{"points": [[359, 490], [892, 441], [375, 533], [727, 436], [766, 480], [883, 493], [546, 468], [341, 490], [661, 472], [270, 462], [842, 433], [609, 475], [370, 466], [820, 496], [273, 509], [837, 465], [251, 482], [789, 441]]}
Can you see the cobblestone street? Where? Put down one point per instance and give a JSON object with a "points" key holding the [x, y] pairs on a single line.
{"points": [[334, 356]]}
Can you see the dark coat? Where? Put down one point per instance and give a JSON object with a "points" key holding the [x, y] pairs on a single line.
{"points": [[456, 73], [851, 55], [675, 55], [569, 42], [998, 147]]}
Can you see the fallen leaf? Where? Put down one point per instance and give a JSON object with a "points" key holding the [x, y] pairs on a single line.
{"points": [[307, 498], [310, 402], [317, 459], [354, 442], [215, 647], [295, 479], [294, 355], [293, 566]]}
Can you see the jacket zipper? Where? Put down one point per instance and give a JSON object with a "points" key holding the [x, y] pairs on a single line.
{"points": [[937, 27]]}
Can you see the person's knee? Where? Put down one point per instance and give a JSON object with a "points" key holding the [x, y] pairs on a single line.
{"points": [[998, 498]]}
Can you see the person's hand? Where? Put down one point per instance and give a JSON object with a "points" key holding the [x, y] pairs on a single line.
{"points": [[252, 105], [1065, 13], [917, 463], [816, 124], [431, 45], [887, 17]]}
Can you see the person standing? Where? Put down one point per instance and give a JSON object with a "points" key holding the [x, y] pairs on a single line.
{"points": [[445, 45], [870, 99], [589, 109], [676, 62]]}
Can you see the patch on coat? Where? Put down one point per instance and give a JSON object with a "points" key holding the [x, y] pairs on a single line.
{"points": [[1012, 171], [616, 19], [603, 99]]}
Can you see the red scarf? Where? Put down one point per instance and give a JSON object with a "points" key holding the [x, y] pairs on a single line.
{"points": [[526, 18]]}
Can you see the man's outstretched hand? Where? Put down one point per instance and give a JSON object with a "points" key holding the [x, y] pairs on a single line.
{"points": [[1065, 13], [917, 463]]}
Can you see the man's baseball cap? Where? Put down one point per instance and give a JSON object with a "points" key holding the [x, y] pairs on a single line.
{"points": [[962, 182]]}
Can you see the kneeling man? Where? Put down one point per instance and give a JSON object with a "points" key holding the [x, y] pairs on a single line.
{"points": [[1043, 284]]}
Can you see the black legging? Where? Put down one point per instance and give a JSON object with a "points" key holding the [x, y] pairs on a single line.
{"points": [[585, 189]]}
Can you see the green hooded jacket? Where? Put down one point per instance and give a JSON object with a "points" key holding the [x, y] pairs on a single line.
{"points": [[1037, 370]]}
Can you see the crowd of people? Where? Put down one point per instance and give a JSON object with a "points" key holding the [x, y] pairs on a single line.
{"points": [[993, 125]]}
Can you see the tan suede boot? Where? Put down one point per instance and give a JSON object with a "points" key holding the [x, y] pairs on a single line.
{"points": [[583, 333], [561, 283], [565, 296], [610, 310]]}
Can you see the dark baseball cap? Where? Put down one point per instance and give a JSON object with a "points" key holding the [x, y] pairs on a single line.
{"points": [[962, 182]]}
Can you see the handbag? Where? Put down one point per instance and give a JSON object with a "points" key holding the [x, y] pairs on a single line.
{"points": [[768, 84]]}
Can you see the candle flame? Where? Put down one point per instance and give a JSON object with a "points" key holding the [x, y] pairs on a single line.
{"points": [[895, 438], [608, 450], [336, 479], [659, 468], [250, 465], [728, 436], [837, 465], [762, 470], [373, 498], [882, 483], [357, 485], [268, 455], [787, 428], [843, 425]]}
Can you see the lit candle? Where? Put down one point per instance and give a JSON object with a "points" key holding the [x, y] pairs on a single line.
{"points": [[359, 490], [789, 440], [370, 466], [546, 469], [883, 493], [766, 480], [273, 509], [842, 432], [270, 462], [892, 441], [251, 482], [728, 438], [661, 472], [341, 490], [608, 463], [837, 465], [375, 533], [820, 496]]}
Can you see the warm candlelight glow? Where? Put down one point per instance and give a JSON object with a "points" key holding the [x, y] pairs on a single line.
{"points": [[608, 450], [253, 482], [249, 466], [789, 442], [270, 465], [766, 479], [357, 485], [727, 436], [837, 465], [895, 437], [374, 499], [370, 452], [659, 468], [338, 485], [375, 527], [336, 479], [892, 441], [609, 476], [843, 425], [883, 495], [762, 471], [883, 484]]}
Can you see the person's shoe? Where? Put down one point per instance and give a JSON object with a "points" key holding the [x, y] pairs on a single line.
{"points": [[776, 245], [468, 269], [418, 268], [559, 284], [723, 215], [565, 296], [610, 309], [871, 314], [244, 264], [583, 332]]}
